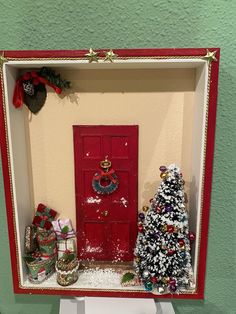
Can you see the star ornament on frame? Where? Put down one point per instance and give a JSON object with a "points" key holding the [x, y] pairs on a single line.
{"points": [[210, 56], [2, 59], [92, 55], [110, 56]]}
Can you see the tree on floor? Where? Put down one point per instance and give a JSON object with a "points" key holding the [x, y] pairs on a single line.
{"points": [[162, 253]]}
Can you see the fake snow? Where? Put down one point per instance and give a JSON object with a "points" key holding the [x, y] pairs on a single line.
{"points": [[92, 249], [93, 200], [124, 201], [100, 277]]}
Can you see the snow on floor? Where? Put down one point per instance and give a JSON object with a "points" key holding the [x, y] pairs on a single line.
{"points": [[94, 278]]}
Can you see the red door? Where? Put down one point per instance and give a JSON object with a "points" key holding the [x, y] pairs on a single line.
{"points": [[106, 224]]}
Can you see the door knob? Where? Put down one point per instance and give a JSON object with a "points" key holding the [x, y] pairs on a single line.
{"points": [[105, 213]]}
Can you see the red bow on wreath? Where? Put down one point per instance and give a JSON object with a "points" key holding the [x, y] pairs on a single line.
{"points": [[104, 174]]}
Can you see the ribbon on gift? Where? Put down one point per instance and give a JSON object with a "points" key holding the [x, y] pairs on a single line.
{"points": [[103, 174], [33, 76]]}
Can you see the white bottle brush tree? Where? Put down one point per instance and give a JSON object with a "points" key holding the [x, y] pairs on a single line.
{"points": [[162, 253]]}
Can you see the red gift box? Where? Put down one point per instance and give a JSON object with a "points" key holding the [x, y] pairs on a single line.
{"points": [[43, 217]]}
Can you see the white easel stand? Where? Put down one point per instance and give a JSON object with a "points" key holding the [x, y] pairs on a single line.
{"points": [[90, 305]]}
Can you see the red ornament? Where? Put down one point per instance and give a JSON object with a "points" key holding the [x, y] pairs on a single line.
{"points": [[170, 252], [192, 236], [170, 228], [140, 227], [154, 280], [158, 209], [181, 242]]}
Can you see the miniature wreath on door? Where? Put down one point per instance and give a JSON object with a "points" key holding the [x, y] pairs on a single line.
{"points": [[105, 180]]}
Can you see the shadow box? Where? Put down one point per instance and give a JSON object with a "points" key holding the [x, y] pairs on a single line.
{"points": [[170, 95]]}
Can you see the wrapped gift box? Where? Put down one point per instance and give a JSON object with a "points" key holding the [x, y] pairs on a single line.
{"points": [[44, 216], [63, 229], [67, 245]]}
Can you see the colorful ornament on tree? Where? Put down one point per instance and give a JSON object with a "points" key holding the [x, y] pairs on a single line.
{"points": [[192, 236], [145, 208], [141, 216], [30, 88], [105, 181], [162, 247]]}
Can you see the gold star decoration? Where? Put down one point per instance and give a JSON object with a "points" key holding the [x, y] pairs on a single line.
{"points": [[110, 56], [92, 55], [210, 56], [2, 59]]}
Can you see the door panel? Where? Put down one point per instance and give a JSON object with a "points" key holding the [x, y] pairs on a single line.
{"points": [[107, 224]]}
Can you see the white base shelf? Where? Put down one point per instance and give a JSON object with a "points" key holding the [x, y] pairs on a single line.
{"points": [[91, 305]]}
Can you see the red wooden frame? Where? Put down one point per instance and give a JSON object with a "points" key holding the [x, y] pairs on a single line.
{"points": [[124, 53]]}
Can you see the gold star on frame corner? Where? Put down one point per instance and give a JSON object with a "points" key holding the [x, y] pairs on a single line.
{"points": [[92, 55], [2, 59], [110, 56], [210, 56]]}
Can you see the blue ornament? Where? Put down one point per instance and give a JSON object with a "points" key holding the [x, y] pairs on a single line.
{"points": [[148, 286], [182, 254]]}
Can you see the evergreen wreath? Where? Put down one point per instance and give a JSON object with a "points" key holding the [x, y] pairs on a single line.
{"points": [[102, 175]]}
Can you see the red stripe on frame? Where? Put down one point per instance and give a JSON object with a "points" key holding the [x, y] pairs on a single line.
{"points": [[148, 52]]}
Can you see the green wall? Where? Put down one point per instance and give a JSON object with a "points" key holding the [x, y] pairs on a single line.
{"points": [[27, 24]]}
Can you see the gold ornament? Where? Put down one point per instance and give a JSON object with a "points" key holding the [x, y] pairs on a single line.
{"points": [[145, 208], [92, 55], [210, 56], [165, 280], [164, 175], [137, 259], [164, 228], [2, 60], [110, 56]]}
